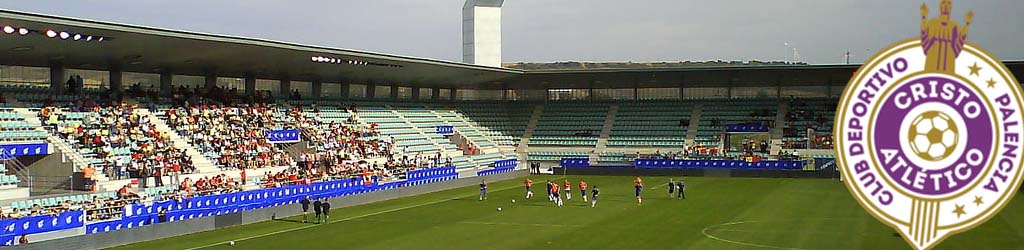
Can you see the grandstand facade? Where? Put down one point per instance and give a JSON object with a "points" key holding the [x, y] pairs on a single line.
{"points": [[94, 115]]}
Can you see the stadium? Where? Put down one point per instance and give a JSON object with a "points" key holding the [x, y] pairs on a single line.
{"points": [[118, 136]]}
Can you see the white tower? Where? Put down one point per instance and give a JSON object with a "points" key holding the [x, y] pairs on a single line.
{"points": [[481, 32]]}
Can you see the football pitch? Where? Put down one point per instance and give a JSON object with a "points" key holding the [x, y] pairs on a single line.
{"points": [[719, 213]]}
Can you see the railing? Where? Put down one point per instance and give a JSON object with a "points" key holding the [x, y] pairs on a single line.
{"points": [[20, 170]]}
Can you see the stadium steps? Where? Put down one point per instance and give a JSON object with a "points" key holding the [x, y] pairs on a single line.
{"points": [[202, 164], [606, 130], [530, 128], [691, 131], [68, 153], [471, 125], [777, 131], [440, 146]]}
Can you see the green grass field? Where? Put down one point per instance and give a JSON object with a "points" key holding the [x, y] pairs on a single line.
{"points": [[720, 213]]}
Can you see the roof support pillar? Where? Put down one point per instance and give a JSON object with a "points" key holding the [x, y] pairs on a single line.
{"points": [[57, 77], [435, 93], [211, 82], [286, 87], [250, 85], [318, 90], [415, 93], [166, 84], [394, 92], [778, 88], [371, 90], [116, 84], [346, 90]]}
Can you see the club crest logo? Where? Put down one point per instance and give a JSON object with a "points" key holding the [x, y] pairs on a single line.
{"points": [[928, 133]]}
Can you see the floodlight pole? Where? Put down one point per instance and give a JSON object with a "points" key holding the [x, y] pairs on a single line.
{"points": [[785, 53]]}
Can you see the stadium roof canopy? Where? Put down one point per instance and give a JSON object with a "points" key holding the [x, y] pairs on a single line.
{"points": [[131, 48]]}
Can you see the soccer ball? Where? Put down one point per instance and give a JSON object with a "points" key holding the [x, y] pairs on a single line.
{"points": [[232, 243], [933, 135], [499, 209], [513, 200]]}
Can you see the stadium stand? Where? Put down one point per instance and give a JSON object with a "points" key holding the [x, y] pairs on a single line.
{"points": [[717, 114], [117, 140], [569, 124], [234, 136], [650, 124], [508, 121], [814, 114], [15, 129]]}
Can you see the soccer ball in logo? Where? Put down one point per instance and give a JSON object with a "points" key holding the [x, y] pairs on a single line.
{"points": [[933, 135]]}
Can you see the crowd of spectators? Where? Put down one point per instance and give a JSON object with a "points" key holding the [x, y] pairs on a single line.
{"points": [[217, 184], [97, 208], [341, 140], [236, 134], [125, 141]]}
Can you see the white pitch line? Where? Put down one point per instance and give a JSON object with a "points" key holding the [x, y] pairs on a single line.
{"points": [[345, 219], [489, 223], [662, 185], [706, 234]]}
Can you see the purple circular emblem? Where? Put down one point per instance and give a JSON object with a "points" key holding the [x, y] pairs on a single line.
{"points": [[919, 125]]}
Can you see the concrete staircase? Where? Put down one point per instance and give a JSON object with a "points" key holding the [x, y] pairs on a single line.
{"points": [[606, 130], [440, 145], [530, 127], [57, 144], [778, 131], [691, 131], [202, 164], [471, 126], [484, 133]]}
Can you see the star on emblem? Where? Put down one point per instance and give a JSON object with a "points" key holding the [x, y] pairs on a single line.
{"points": [[959, 211], [974, 68], [991, 83], [977, 200]]}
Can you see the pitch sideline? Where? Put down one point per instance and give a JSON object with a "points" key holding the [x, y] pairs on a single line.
{"points": [[345, 219]]}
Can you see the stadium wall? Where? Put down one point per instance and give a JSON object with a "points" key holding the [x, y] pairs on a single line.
{"points": [[50, 173], [630, 171], [165, 230]]}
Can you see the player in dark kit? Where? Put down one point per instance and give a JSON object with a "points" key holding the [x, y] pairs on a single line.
{"points": [[671, 187], [593, 199], [305, 207], [483, 190], [638, 186], [316, 210], [325, 208], [682, 189], [550, 196]]}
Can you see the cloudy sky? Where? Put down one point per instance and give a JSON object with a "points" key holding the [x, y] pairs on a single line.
{"points": [[561, 30]]}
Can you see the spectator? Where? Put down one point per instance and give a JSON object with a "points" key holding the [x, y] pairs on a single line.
{"points": [[87, 174]]}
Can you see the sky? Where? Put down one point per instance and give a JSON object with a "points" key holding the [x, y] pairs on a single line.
{"points": [[819, 31]]}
